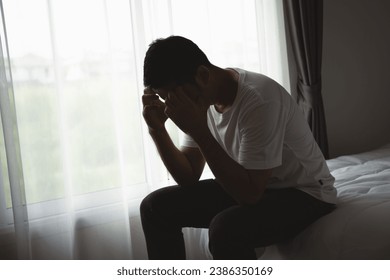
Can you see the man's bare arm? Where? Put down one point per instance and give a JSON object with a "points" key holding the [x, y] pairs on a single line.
{"points": [[184, 165], [245, 186]]}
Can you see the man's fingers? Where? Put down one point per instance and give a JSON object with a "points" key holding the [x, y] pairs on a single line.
{"points": [[180, 94], [188, 95], [172, 100], [179, 97], [167, 111], [148, 99], [148, 90]]}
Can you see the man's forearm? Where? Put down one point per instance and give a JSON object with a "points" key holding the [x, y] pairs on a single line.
{"points": [[174, 160], [233, 177]]}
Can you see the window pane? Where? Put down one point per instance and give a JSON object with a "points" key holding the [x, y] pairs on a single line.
{"points": [[4, 184], [224, 29], [77, 90], [76, 96]]}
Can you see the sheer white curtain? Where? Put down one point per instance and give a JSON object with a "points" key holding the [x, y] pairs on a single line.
{"points": [[76, 159]]}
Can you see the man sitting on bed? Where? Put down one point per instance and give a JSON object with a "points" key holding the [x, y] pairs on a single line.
{"points": [[271, 179]]}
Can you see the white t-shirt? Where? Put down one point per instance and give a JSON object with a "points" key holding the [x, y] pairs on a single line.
{"points": [[264, 128]]}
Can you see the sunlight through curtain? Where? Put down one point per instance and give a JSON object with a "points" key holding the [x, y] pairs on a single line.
{"points": [[76, 159]]}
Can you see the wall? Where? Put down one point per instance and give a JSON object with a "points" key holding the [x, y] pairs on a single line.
{"points": [[356, 74]]}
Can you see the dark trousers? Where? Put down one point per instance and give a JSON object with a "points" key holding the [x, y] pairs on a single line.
{"points": [[234, 230]]}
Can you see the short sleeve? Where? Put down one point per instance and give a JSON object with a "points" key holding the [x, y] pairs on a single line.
{"points": [[262, 130]]}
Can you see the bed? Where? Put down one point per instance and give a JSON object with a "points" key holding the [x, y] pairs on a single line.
{"points": [[360, 226]]}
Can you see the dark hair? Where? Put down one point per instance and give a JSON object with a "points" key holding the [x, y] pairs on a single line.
{"points": [[172, 60]]}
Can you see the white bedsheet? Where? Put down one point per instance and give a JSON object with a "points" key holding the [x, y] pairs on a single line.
{"points": [[360, 226]]}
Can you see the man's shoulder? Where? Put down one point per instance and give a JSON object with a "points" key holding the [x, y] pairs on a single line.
{"points": [[258, 84], [251, 77]]}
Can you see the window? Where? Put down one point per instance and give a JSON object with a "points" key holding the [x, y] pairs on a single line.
{"points": [[77, 80]]}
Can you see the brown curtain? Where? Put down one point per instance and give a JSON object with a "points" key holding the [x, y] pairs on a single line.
{"points": [[304, 21]]}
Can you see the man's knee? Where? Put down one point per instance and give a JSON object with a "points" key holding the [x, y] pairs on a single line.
{"points": [[156, 204], [146, 205], [223, 232], [151, 204], [230, 236]]}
